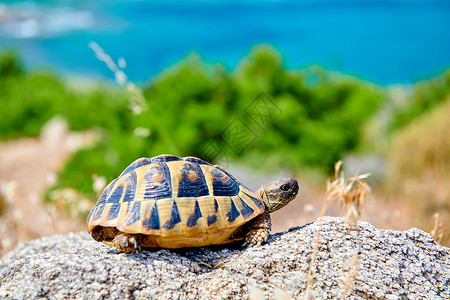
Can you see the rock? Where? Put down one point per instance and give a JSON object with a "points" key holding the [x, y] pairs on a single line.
{"points": [[390, 265]]}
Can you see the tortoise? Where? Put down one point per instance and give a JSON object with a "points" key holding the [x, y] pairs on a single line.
{"points": [[172, 202]]}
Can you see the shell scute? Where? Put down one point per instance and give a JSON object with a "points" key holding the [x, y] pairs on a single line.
{"points": [[256, 201], [134, 214], [167, 221], [191, 181], [174, 217], [106, 192], [229, 212], [246, 210], [99, 212], [114, 211], [212, 214], [233, 213], [157, 183], [211, 219], [222, 184], [152, 220], [130, 185], [192, 220], [143, 161], [116, 195]]}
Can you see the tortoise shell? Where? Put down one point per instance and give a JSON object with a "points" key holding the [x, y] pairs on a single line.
{"points": [[175, 202]]}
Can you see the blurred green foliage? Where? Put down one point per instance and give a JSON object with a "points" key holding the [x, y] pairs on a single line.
{"points": [[30, 100], [260, 114], [424, 96]]}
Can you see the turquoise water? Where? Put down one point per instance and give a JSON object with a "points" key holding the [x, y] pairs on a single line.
{"points": [[386, 42]]}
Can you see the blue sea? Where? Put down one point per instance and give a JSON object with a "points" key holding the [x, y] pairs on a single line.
{"points": [[386, 42]]}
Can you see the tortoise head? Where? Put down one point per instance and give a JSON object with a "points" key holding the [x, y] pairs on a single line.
{"points": [[278, 193]]}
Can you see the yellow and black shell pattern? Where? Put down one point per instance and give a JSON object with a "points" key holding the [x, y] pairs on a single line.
{"points": [[176, 202]]}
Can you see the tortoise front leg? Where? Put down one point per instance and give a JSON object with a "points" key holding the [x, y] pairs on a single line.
{"points": [[259, 230], [127, 242]]}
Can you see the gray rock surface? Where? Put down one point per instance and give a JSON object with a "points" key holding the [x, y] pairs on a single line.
{"points": [[390, 265]]}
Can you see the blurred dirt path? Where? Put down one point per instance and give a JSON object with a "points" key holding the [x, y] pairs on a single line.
{"points": [[27, 167]]}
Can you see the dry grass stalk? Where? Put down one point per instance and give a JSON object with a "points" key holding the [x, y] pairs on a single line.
{"points": [[349, 280], [51, 210], [352, 192], [354, 196], [437, 232], [222, 262], [10, 217], [137, 102]]}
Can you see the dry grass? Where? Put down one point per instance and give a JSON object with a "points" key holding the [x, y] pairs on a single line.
{"points": [[221, 263], [9, 217], [437, 232], [71, 201], [422, 145], [352, 193], [137, 101], [419, 160]]}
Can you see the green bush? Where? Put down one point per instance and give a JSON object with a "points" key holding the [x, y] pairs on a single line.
{"points": [[9, 66], [30, 100], [318, 122]]}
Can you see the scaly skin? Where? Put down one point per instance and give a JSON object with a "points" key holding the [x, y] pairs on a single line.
{"points": [[259, 230]]}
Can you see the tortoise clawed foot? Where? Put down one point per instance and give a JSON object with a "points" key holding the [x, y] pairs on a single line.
{"points": [[127, 243], [259, 230], [256, 237]]}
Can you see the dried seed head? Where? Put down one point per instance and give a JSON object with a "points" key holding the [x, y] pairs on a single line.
{"points": [[352, 192]]}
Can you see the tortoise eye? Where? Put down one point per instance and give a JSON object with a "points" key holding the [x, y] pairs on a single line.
{"points": [[285, 187]]}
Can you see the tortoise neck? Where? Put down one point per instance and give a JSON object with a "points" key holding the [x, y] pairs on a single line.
{"points": [[262, 194]]}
